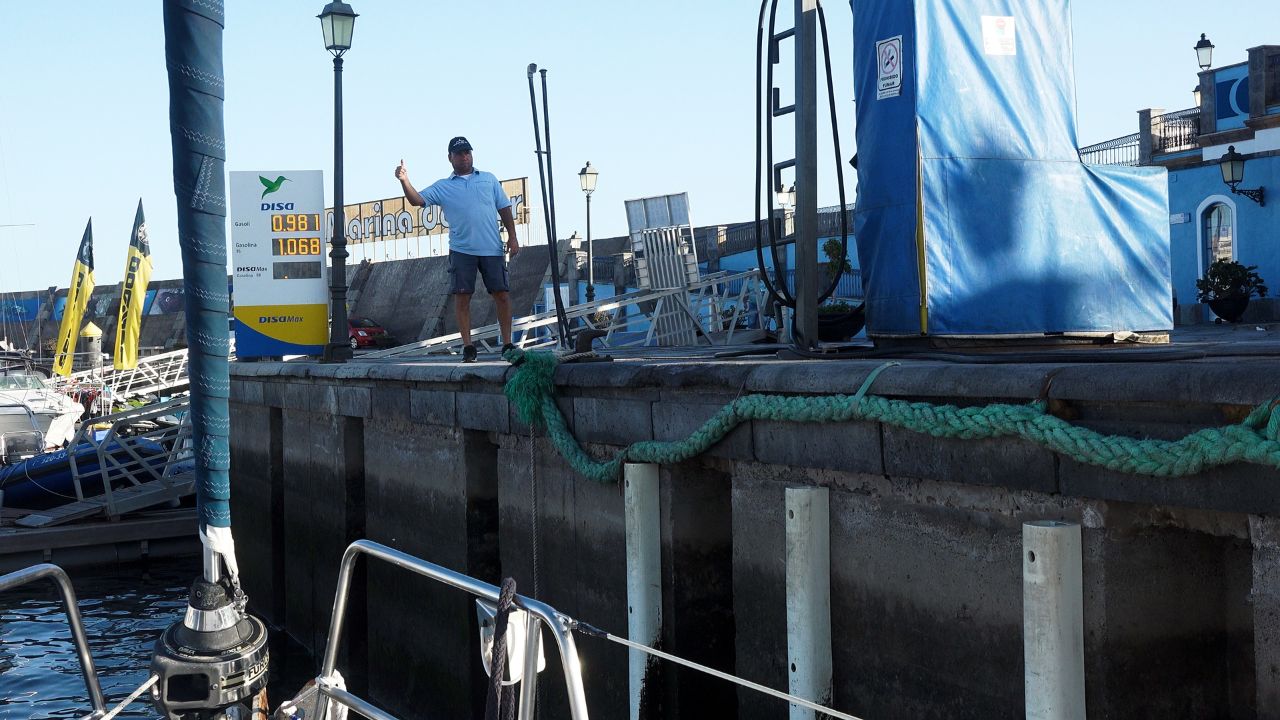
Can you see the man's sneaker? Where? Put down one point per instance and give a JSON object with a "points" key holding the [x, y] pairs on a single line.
{"points": [[468, 353]]}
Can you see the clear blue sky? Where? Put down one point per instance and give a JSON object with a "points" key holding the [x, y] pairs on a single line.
{"points": [[657, 95]]}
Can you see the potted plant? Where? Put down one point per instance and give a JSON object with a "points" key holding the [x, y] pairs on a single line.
{"points": [[837, 319], [1227, 286]]}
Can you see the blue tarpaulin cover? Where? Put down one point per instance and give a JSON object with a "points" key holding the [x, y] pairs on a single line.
{"points": [[974, 214]]}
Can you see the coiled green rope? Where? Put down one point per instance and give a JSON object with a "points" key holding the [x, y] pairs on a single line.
{"points": [[1255, 440]]}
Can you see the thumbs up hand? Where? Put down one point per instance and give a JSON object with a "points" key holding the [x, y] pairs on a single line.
{"points": [[402, 173]]}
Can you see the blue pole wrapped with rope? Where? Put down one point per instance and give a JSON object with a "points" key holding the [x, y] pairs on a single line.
{"points": [[216, 637], [193, 53]]}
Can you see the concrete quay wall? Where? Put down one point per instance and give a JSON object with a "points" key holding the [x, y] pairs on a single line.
{"points": [[1182, 576]]}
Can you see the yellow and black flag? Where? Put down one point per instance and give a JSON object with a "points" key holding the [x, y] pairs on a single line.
{"points": [[137, 273], [77, 300]]}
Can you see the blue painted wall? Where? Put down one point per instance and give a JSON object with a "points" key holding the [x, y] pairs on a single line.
{"points": [[1232, 91], [1256, 229]]}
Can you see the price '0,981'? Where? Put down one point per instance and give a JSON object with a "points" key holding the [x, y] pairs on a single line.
{"points": [[296, 246], [295, 222]]}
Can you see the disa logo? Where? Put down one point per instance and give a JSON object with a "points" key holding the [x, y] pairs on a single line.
{"points": [[268, 319], [267, 207], [271, 185]]}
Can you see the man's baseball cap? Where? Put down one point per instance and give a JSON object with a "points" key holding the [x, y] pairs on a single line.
{"points": [[459, 144]]}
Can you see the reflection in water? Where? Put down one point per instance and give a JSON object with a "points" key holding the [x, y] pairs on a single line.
{"points": [[125, 608]]}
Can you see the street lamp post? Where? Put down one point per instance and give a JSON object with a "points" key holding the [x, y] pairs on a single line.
{"points": [[587, 179], [337, 22], [1232, 167]]}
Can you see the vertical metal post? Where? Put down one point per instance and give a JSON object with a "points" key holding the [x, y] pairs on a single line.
{"points": [[529, 678], [591, 268], [644, 569], [806, 209], [809, 597], [1052, 621], [339, 348]]}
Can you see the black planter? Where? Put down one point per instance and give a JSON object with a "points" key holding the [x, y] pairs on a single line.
{"points": [[839, 326], [1229, 308]]}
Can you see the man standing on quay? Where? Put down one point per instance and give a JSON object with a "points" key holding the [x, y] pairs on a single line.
{"points": [[469, 198]]}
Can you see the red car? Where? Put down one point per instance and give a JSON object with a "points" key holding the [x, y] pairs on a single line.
{"points": [[367, 333]]}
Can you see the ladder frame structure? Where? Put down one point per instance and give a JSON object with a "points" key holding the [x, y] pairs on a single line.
{"points": [[147, 479], [711, 309]]}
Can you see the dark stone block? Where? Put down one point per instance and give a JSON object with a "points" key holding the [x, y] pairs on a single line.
{"points": [[697, 612], [759, 587], [256, 505], [354, 401], [432, 407], [1151, 624], [1265, 596], [612, 420], [1006, 462], [676, 417], [390, 401], [1238, 487], [583, 522], [483, 411], [852, 447], [422, 629], [942, 607]]}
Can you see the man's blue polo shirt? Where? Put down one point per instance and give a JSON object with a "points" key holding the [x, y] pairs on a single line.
{"points": [[470, 205]]}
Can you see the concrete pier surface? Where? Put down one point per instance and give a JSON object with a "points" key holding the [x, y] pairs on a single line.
{"points": [[1181, 576]]}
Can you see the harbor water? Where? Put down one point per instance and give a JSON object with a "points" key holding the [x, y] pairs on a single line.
{"points": [[125, 608]]}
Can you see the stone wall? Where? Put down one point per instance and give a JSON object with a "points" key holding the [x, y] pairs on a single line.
{"points": [[1182, 611]]}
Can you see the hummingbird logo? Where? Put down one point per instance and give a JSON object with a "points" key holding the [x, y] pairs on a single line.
{"points": [[271, 186]]}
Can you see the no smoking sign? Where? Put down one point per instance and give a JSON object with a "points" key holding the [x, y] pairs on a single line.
{"points": [[889, 67]]}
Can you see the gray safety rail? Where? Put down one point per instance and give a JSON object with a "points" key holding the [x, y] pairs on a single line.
{"points": [[140, 457], [71, 607], [712, 311], [540, 615], [155, 374]]}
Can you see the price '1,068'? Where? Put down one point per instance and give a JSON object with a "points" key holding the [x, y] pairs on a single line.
{"points": [[296, 246]]}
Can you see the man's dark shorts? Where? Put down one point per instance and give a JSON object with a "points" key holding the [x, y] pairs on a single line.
{"points": [[462, 273]]}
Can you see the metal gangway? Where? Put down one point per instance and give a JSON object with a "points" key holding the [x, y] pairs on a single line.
{"points": [[124, 462], [718, 309], [164, 373]]}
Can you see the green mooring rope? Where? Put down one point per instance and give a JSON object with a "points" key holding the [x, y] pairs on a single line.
{"points": [[1255, 440]]}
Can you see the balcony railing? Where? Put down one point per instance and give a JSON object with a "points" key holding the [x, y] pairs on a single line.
{"points": [[1175, 131], [1120, 151], [742, 238]]}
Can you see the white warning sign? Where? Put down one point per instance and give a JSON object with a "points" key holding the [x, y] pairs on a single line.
{"points": [[889, 67], [999, 36]]}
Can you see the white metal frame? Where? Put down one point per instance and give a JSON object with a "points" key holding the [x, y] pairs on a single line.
{"points": [[709, 306], [540, 614], [153, 374], [134, 467]]}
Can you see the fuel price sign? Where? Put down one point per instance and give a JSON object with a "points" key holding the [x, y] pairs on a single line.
{"points": [[280, 279]]}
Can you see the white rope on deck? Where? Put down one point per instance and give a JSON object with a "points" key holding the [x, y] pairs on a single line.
{"points": [[127, 701], [716, 673]]}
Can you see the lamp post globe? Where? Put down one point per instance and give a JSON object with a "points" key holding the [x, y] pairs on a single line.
{"points": [[1232, 167], [1195, 93], [1204, 52], [337, 23], [587, 179]]}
